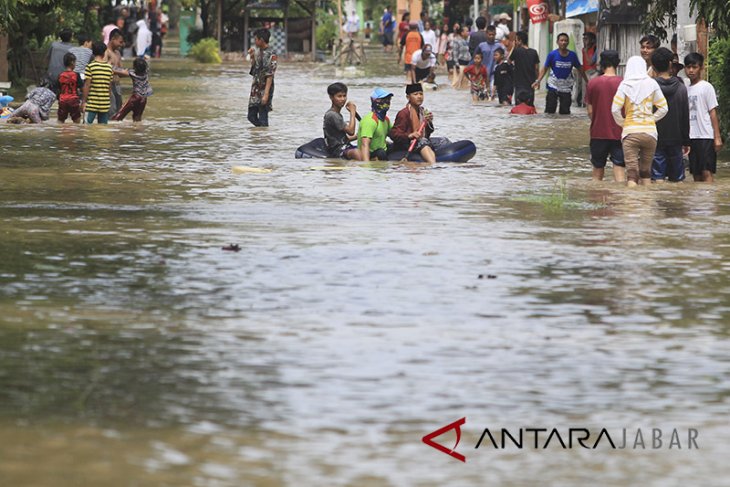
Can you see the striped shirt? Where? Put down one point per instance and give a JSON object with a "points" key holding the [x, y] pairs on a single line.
{"points": [[100, 75], [83, 56], [640, 118]]}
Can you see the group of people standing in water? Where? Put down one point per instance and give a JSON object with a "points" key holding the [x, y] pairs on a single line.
{"points": [[646, 122]]}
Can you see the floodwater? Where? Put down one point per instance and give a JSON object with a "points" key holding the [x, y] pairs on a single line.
{"points": [[135, 352]]}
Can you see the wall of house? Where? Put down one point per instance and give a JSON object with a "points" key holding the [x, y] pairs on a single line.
{"points": [[624, 38]]}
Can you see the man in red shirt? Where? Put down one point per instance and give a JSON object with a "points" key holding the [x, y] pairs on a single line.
{"points": [[589, 62], [605, 134]]}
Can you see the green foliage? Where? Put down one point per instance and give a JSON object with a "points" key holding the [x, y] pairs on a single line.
{"points": [[206, 51], [559, 200], [718, 73], [662, 14], [715, 13], [327, 29], [33, 24]]}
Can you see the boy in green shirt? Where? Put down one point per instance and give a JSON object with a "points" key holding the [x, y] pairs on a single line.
{"points": [[374, 127]]}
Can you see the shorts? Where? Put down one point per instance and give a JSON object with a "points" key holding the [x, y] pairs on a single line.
{"points": [[70, 108], [602, 148], [407, 67], [387, 39], [379, 154], [422, 74], [463, 62], [702, 156], [340, 152], [450, 65], [479, 93]]}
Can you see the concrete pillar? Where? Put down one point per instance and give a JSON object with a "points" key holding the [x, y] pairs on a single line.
{"points": [[686, 41], [414, 7], [538, 37]]}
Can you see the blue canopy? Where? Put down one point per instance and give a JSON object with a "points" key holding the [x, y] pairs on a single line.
{"points": [[580, 7]]}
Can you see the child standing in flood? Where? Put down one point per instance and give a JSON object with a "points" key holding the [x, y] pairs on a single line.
{"points": [[263, 66], [503, 77], [141, 90], [96, 99], [478, 78], [69, 82], [704, 125]]}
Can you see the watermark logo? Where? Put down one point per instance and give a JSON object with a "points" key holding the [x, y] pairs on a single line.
{"points": [[456, 425], [568, 438]]}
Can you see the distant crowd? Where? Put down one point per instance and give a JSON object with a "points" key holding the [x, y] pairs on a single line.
{"points": [[85, 80]]}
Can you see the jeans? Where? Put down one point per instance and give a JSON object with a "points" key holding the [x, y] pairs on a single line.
{"points": [[258, 115], [551, 102], [668, 163], [103, 117]]}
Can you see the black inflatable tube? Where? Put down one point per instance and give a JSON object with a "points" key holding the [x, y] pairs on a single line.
{"points": [[460, 151]]}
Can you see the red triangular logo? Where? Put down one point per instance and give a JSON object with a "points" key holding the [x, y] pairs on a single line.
{"points": [[456, 425]]}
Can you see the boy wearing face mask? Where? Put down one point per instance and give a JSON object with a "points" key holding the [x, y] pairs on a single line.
{"points": [[374, 127]]}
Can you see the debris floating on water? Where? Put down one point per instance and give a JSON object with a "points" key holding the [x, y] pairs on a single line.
{"points": [[232, 248], [251, 170], [487, 276]]}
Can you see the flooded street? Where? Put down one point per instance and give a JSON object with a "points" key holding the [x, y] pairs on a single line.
{"points": [[367, 307]]}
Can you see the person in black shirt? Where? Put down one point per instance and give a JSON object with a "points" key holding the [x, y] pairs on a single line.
{"points": [[526, 63], [503, 77]]}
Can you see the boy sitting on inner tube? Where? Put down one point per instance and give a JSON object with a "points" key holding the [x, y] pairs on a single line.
{"points": [[374, 127], [337, 133], [414, 122]]}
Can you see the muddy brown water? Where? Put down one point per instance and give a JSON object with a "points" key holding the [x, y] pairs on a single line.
{"points": [[135, 352]]}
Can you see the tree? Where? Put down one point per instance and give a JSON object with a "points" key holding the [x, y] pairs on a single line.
{"points": [[715, 12], [662, 14], [29, 24]]}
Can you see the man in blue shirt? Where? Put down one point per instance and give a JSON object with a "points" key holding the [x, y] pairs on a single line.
{"points": [[560, 83], [487, 49], [387, 25]]}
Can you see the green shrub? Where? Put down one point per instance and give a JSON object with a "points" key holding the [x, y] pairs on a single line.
{"points": [[718, 73], [206, 51], [327, 30]]}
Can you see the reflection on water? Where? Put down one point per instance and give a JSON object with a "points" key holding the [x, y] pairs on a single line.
{"points": [[134, 351]]}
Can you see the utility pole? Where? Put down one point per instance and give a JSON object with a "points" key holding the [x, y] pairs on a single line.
{"points": [[686, 30]]}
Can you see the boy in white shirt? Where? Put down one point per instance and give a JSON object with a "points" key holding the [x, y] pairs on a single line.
{"points": [[704, 125]]}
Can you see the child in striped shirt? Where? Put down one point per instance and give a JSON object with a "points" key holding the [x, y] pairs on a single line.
{"points": [[638, 95], [141, 90], [96, 99]]}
